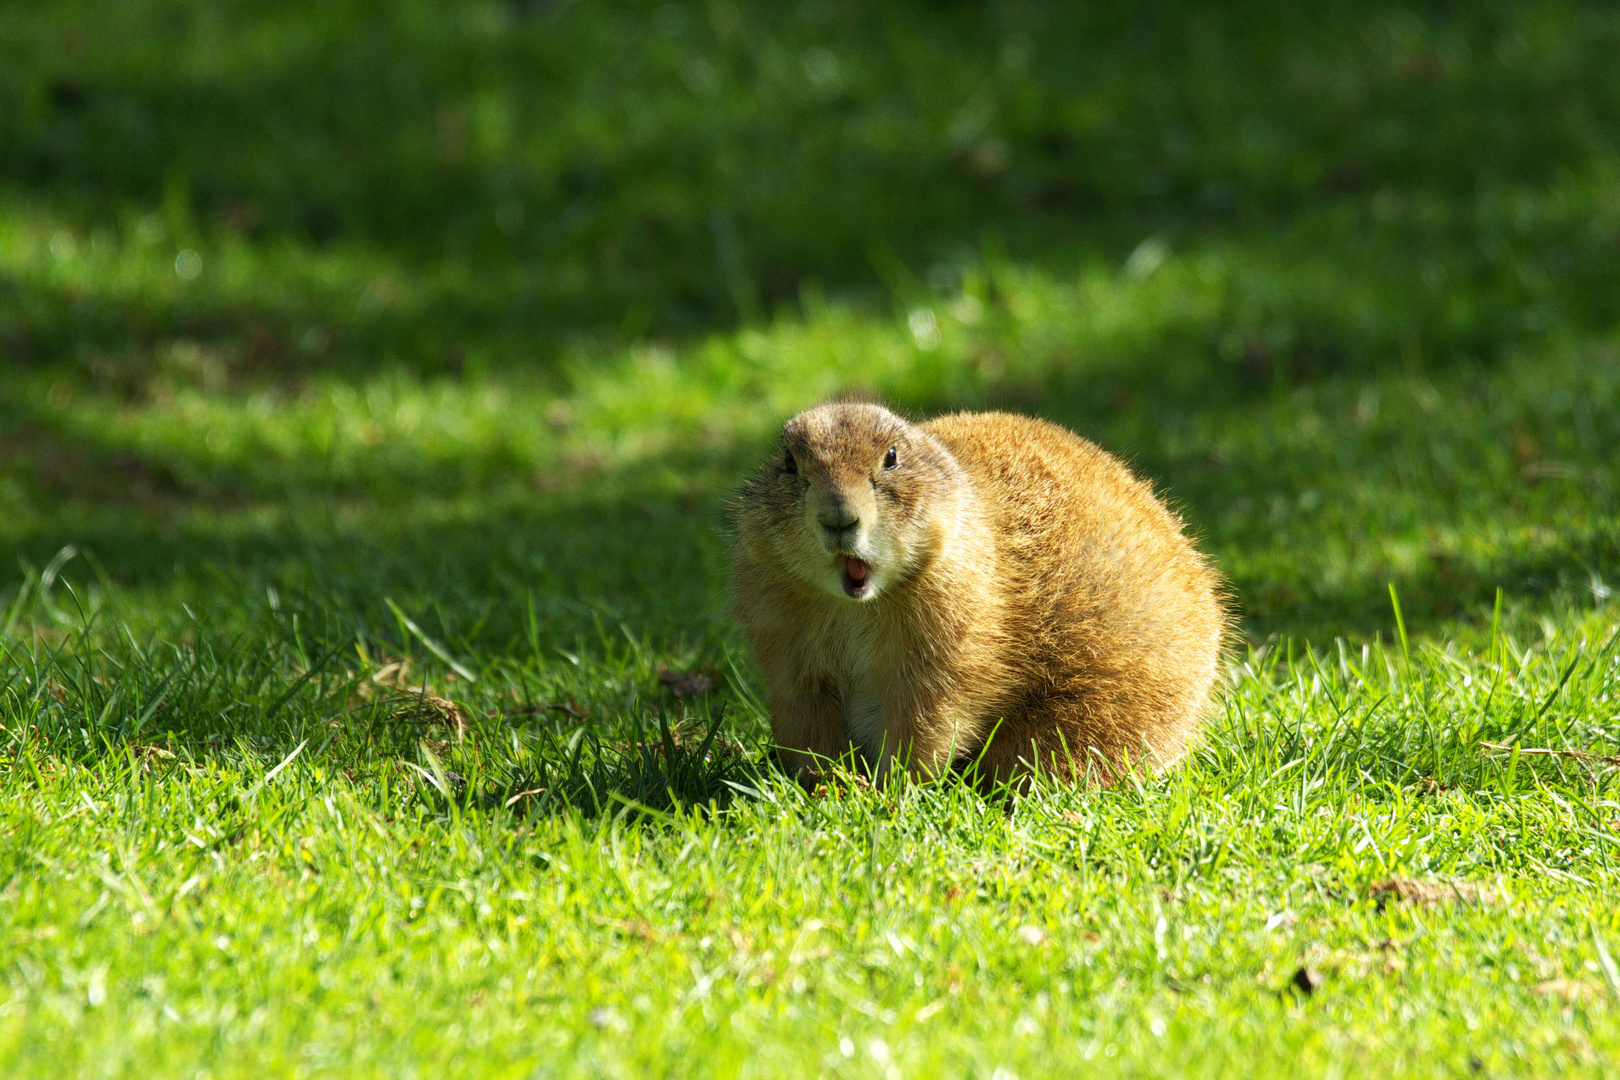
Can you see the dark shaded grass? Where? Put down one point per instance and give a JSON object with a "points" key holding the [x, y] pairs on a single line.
{"points": [[504, 182]]}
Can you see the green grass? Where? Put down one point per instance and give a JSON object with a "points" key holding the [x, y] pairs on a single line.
{"points": [[372, 380]]}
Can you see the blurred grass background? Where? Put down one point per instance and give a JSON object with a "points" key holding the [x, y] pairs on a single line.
{"points": [[507, 294]]}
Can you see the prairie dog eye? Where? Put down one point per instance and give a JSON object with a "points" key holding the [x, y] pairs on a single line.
{"points": [[891, 459], [789, 465]]}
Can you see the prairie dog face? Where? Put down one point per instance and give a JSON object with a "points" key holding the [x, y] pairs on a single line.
{"points": [[851, 501]]}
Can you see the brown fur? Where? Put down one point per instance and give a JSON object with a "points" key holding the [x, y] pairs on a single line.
{"points": [[1031, 603]]}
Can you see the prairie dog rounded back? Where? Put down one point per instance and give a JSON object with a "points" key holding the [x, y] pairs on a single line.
{"points": [[982, 591]]}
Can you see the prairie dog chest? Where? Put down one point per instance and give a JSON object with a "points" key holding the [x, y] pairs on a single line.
{"points": [[859, 670], [862, 706]]}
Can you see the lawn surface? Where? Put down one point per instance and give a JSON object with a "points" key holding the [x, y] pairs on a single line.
{"points": [[372, 380]]}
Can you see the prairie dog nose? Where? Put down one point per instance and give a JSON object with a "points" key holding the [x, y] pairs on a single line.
{"points": [[837, 517]]}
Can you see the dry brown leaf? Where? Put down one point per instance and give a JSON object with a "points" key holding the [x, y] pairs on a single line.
{"points": [[415, 698], [395, 674], [837, 782], [447, 709]]}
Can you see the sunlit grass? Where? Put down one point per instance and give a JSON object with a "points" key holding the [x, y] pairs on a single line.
{"points": [[290, 891]]}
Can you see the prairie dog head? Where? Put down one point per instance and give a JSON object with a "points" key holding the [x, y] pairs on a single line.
{"points": [[853, 502]]}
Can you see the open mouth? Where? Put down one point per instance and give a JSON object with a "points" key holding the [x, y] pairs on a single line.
{"points": [[857, 577]]}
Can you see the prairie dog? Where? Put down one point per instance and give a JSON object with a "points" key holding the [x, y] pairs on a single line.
{"points": [[981, 591]]}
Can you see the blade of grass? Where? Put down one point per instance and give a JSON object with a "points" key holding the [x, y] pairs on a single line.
{"points": [[433, 646]]}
